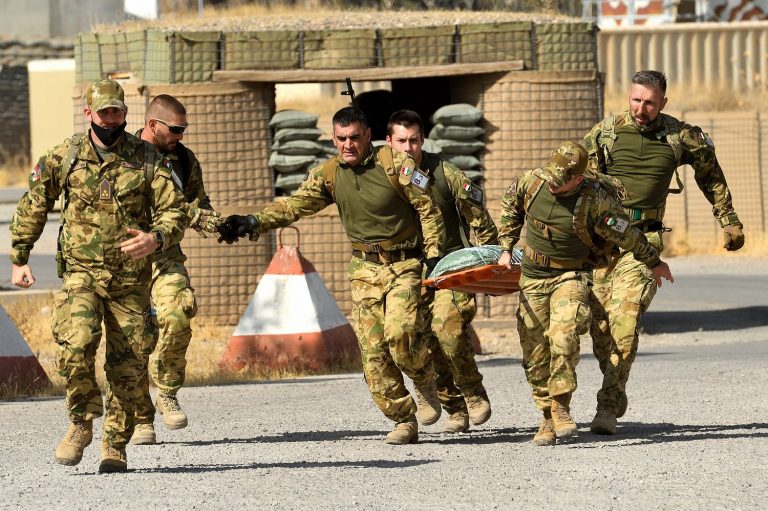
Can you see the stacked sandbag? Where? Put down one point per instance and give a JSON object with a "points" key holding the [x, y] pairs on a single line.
{"points": [[457, 137], [295, 148]]}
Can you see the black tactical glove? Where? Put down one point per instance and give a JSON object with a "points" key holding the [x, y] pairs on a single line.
{"points": [[430, 264], [734, 237], [236, 227]]}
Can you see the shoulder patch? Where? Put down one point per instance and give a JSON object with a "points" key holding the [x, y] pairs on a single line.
{"points": [[35, 175], [406, 170], [420, 180], [616, 223], [512, 190], [474, 193]]}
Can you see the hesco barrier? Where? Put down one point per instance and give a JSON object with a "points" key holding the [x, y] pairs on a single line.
{"points": [[172, 56]]}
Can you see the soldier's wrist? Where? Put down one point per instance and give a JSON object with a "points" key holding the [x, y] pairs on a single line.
{"points": [[729, 219]]}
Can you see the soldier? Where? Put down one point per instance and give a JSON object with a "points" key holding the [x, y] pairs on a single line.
{"points": [[642, 148], [172, 294], [384, 206], [444, 313], [573, 222], [109, 180]]}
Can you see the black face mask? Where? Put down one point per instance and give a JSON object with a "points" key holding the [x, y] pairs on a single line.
{"points": [[108, 136]]}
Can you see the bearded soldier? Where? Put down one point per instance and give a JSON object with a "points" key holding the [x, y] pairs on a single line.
{"points": [[643, 148], [444, 313], [572, 223], [384, 205], [120, 206]]}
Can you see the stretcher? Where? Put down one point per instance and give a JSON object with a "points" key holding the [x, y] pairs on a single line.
{"points": [[490, 279]]}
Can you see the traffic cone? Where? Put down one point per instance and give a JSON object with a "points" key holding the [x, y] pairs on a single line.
{"points": [[292, 321], [18, 365]]}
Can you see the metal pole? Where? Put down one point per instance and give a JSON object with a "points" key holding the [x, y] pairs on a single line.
{"points": [[200, 8]]}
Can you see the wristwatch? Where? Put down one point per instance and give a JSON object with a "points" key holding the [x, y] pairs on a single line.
{"points": [[158, 239]]}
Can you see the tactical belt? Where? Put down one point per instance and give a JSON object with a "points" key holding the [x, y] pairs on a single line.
{"points": [[388, 257], [636, 214], [548, 262], [406, 234]]}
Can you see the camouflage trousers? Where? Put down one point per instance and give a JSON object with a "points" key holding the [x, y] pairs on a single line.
{"points": [[620, 296], [174, 301], [385, 304], [79, 309], [552, 314], [443, 319]]}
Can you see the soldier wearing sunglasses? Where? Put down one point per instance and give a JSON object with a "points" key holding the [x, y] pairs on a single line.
{"points": [[172, 294]]}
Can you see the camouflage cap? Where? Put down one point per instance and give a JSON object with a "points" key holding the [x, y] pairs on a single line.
{"points": [[567, 161], [104, 94]]}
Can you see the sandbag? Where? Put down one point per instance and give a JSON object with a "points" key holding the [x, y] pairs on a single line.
{"points": [[451, 147], [456, 132], [459, 114], [288, 134], [292, 119], [285, 163], [463, 161], [298, 147]]}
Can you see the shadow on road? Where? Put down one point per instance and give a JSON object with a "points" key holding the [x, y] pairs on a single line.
{"points": [[192, 469], [639, 433], [673, 322], [295, 436]]}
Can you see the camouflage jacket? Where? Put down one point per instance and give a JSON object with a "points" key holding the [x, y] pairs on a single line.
{"points": [[376, 206], [598, 220], [691, 146], [460, 202], [103, 199]]}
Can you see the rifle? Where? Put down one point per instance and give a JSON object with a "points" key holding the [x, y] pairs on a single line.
{"points": [[350, 92]]}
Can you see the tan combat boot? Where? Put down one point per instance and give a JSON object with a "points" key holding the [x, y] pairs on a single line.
{"points": [[427, 403], [169, 407], [78, 437], [546, 434], [479, 408], [604, 422], [112, 459], [561, 416], [458, 422], [404, 433], [144, 434]]}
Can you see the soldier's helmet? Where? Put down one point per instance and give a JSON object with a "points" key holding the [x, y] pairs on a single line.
{"points": [[567, 161], [105, 94]]}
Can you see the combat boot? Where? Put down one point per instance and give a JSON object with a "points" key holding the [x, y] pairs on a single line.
{"points": [[427, 403], [479, 407], [546, 434], [112, 459], [458, 422], [169, 407], [621, 407], [144, 434], [561, 416], [604, 422], [78, 437], [404, 433]]}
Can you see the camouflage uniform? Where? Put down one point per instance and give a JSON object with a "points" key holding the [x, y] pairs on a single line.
{"points": [[644, 161], [385, 269], [554, 306], [106, 194], [444, 314], [172, 294]]}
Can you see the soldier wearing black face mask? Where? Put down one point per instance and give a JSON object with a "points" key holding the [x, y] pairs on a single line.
{"points": [[120, 206]]}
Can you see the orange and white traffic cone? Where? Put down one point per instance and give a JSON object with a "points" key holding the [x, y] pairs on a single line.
{"points": [[18, 365], [292, 321]]}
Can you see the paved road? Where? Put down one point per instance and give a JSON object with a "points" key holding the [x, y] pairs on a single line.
{"points": [[695, 436]]}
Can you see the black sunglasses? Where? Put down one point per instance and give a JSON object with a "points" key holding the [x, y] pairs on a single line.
{"points": [[173, 128]]}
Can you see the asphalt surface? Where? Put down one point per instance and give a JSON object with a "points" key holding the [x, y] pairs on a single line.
{"points": [[695, 435]]}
